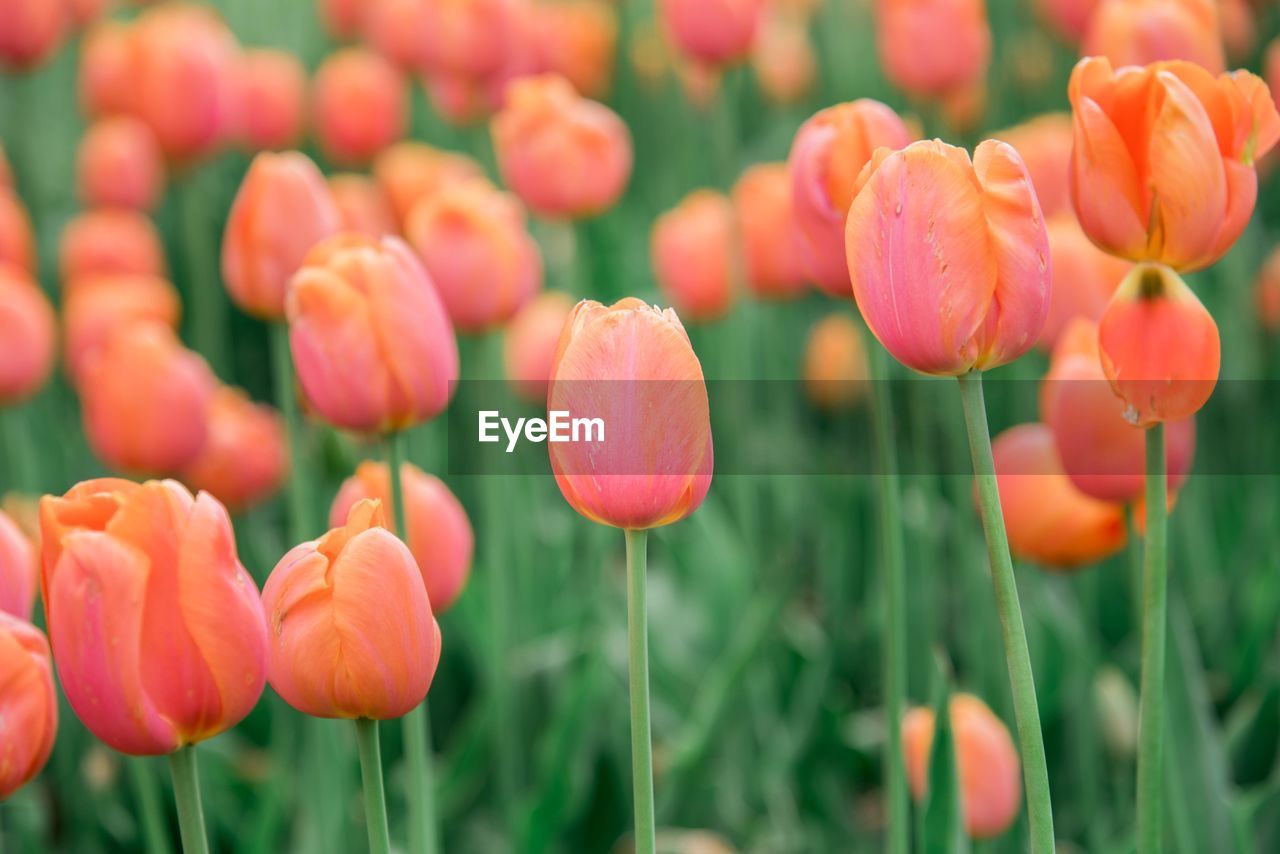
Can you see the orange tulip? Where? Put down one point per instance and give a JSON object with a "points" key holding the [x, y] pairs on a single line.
{"points": [[110, 241], [28, 703], [835, 363], [563, 155], [1069, 18], [371, 340], [243, 460], [17, 240], [409, 172], [440, 535], [360, 103], [1267, 291], [1139, 32], [26, 336], [632, 366], [713, 32], [362, 206], [1163, 162], [694, 247], [120, 165], [157, 629], [783, 59], [530, 343], [1084, 278], [578, 39], [770, 244], [986, 760], [145, 400], [1160, 347], [273, 91], [828, 152], [341, 18], [282, 210], [949, 258], [99, 305], [468, 38], [32, 31], [352, 630], [106, 69], [933, 48], [1044, 144], [18, 570], [397, 29]]}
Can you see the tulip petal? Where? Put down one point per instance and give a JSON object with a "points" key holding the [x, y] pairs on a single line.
{"points": [[1104, 185]]}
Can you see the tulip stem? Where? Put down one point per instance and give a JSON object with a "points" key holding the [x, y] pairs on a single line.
{"points": [[186, 791], [155, 836], [1014, 634], [297, 485], [375, 799], [638, 672], [1154, 626]]}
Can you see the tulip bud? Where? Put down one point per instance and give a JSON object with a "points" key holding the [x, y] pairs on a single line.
{"points": [[410, 172], [360, 103], [26, 336], [1068, 18], [1084, 278], [282, 210], [987, 763], [829, 151], [1044, 144], [1139, 32], [362, 206], [694, 247], [783, 60], [468, 38], [243, 459], [563, 155], [949, 258], [145, 400], [578, 39], [398, 29], [120, 165], [712, 31], [932, 48], [770, 244], [110, 241], [474, 244], [631, 365], [33, 30], [18, 570], [530, 342], [373, 346], [106, 69], [1267, 292], [99, 305], [440, 535], [17, 240], [835, 363], [352, 631], [28, 703], [1160, 347], [273, 91]]}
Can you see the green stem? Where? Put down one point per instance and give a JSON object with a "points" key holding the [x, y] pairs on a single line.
{"points": [[638, 673], [186, 791], [1154, 625], [209, 309], [298, 487], [375, 799], [1014, 634], [155, 836]]}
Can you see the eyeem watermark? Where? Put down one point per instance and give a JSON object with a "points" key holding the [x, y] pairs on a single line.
{"points": [[560, 427]]}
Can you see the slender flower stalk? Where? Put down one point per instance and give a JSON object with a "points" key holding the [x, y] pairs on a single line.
{"points": [[154, 833], [375, 799], [186, 791], [1025, 706], [638, 674], [297, 487], [1154, 625]]}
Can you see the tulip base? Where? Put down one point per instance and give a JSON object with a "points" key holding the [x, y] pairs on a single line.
{"points": [[1155, 595], [375, 799], [186, 791], [638, 676]]}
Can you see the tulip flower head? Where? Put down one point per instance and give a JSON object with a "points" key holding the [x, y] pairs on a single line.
{"points": [[1139, 32], [106, 65], [27, 333], [96, 306], [108, 241], [273, 89], [243, 459], [530, 343], [1069, 18], [933, 48], [770, 241], [783, 59], [578, 39], [28, 703], [352, 631], [468, 38], [694, 247], [835, 363], [18, 570], [17, 239], [33, 30], [1084, 278], [949, 258], [362, 206], [120, 165], [157, 630], [713, 32], [409, 172], [360, 103]]}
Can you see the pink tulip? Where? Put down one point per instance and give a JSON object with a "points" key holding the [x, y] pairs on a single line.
{"points": [[1084, 278], [1139, 32], [120, 164], [109, 241], [1044, 144], [530, 343], [694, 250], [762, 199], [28, 703], [26, 336], [273, 92], [360, 103], [712, 31], [17, 238], [243, 460], [99, 305], [31, 30], [18, 570], [933, 48]]}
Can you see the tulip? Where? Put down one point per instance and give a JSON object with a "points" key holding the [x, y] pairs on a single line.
{"points": [[273, 89], [713, 32], [1084, 278], [192, 662], [783, 60], [33, 30], [28, 703], [371, 340], [468, 38], [397, 29], [352, 630], [987, 763], [341, 18], [1069, 18], [440, 535], [120, 165], [1163, 162], [18, 570], [1267, 292], [26, 336], [1237, 21], [106, 69], [109, 241], [145, 400], [949, 259], [694, 247], [932, 48], [474, 244], [835, 363], [829, 151], [362, 206], [460, 101], [410, 172], [530, 343], [1044, 144], [770, 243], [99, 305], [17, 240], [563, 155], [243, 459], [578, 39], [1140, 32], [360, 104], [281, 211]]}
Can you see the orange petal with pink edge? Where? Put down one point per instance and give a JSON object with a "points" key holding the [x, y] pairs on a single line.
{"points": [[1104, 184]]}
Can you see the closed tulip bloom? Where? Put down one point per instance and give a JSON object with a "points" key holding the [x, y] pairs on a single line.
{"points": [[119, 164], [18, 570], [33, 30], [828, 153], [145, 400], [17, 239], [341, 18], [409, 172], [106, 69], [949, 258], [1069, 18], [986, 763], [1163, 162], [835, 363], [108, 241], [362, 206], [440, 535], [26, 336], [563, 155], [243, 459], [932, 48], [1267, 292], [352, 630], [397, 29], [371, 340], [694, 247], [360, 103], [28, 703], [1044, 144], [530, 343], [578, 39], [157, 629], [1140, 32], [1160, 347], [712, 31], [468, 38], [273, 92], [631, 365], [770, 244], [1084, 278], [783, 59], [282, 210], [98, 305]]}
